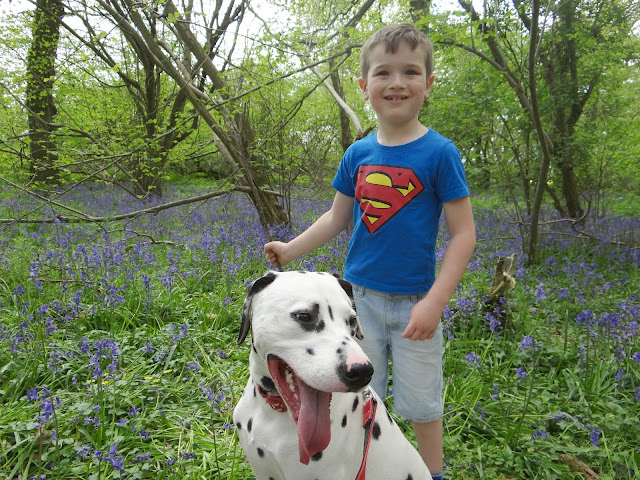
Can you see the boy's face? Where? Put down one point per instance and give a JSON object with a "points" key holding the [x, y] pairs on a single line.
{"points": [[396, 84]]}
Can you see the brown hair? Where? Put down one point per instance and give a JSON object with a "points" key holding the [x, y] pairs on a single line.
{"points": [[391, 36]]}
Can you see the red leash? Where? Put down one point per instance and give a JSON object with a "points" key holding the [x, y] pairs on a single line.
{"points": [[368, 421]]}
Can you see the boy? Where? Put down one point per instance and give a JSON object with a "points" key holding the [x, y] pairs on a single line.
{"points": [[394, 184]]}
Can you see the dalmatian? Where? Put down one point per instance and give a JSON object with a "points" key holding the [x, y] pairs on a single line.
{"points": [[307, 412]]}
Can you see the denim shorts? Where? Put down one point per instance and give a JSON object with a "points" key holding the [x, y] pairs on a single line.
{"points": [[416, 365]]}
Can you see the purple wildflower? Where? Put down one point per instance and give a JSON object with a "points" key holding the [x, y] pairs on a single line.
{"points": [[521, 373], [529, 344], [594, 436], [539, 435], [472, 358], [494, 324]]}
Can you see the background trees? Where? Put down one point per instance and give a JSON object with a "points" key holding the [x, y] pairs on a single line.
{"points": [[542, 100]]}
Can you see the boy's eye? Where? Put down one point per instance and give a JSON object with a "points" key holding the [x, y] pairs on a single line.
{"points": [[382, 72], [412, 72]]}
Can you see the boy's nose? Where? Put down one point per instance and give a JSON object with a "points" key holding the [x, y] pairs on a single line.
{"points": [[397, 80]]}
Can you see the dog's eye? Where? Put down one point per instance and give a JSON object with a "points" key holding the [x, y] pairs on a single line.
{"points": [[303, 316]]}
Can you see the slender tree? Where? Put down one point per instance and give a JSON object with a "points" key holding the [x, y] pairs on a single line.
{"points": [[40, 79]]}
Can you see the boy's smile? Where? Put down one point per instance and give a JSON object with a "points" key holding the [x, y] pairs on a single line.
{"points": [[396, 86]]}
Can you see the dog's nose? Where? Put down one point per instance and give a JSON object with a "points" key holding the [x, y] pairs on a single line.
{"points": [[356, 376]]}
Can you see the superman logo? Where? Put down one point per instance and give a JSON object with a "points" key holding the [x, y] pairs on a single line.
{"points": [[383, 191]]}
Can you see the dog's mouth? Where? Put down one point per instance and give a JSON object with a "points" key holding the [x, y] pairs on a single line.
{"points": [[309, 407]]}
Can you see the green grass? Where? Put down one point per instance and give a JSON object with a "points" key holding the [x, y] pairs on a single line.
{"points": [[118, 356]]}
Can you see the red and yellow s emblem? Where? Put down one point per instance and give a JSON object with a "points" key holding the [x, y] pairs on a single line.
{"points": [[383, 191]]}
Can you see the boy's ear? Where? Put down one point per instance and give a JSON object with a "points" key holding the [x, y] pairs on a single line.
{"points": [[363, 86], [429, 83]]}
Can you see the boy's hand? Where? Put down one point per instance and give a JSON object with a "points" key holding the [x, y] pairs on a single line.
{"points": [[423, 321], [277, 253]]}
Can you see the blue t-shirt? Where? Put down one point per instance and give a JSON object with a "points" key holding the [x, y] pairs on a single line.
{"points": [[399, 192]]}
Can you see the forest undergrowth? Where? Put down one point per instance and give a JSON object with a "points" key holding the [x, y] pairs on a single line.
{"points": [[118, 356]]}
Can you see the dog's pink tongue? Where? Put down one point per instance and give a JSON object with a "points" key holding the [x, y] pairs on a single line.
{"points": [[314, 423], [309, 408]]}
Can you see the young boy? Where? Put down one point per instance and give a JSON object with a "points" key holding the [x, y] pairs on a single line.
{"points": [[394, 184]]}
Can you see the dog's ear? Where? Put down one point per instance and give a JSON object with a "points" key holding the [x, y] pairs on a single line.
{"points": [[346, 286], [256, 287]]}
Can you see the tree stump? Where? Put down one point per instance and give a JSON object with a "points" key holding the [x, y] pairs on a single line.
{"points": [[503, 281]]}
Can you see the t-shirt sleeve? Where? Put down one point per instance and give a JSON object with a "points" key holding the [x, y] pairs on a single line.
{"points": [[451, 182], [343, 181]]}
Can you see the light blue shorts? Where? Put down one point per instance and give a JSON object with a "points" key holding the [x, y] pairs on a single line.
{"points": [[417, 365]]}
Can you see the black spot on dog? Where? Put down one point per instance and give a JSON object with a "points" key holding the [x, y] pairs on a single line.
{"points": [[331, 313], [308, 318], [376, 431], [344, 421], [409, 477], [250, 424], [310, 351], [260, 452], [320, 326], [339, 351], [356, 401], [316, 457], [239, 426], [267, 384]]}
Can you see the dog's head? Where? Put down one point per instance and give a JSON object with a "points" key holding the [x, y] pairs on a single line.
{"points": [[303, 328]]}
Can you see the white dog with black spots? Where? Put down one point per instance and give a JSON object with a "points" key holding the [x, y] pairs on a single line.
{"points": [[307, 412]]}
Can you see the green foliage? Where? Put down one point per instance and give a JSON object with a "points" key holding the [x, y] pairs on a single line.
{"points": [[121, 340]]}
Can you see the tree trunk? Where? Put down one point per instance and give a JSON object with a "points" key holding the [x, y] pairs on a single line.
{"points": [[41, 109], [346, 138]]}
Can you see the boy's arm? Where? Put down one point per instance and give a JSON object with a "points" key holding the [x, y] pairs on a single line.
{"points": [[426, 314], [330, 224]]}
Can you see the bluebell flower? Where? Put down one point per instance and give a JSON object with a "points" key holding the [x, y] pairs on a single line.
{"points": [[84, 345], [496, 392], [105, 349], [193, 366], [529, 344], [521, 373], [184, 330], [95, 421], [594, 436], [84, 452], [32, 394], [142, 458], [472, 358], [539, 435], [494, 324], [636, 357]]}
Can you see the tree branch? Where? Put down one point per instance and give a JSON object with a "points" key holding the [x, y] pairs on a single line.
{"points": [[84, 218]]}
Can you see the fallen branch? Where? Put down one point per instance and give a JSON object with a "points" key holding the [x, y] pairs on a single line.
{"points": [[84, 218]]}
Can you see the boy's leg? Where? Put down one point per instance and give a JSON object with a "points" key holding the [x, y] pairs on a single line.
{"points": [[370, 306], [417, 384], [429, 437]]}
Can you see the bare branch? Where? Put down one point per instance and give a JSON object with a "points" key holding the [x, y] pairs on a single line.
{"points": [[84, 218]]}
